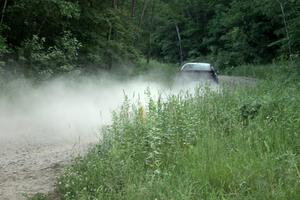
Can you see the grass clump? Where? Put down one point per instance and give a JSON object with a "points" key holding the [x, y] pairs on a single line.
{"points": [[238, 144]]}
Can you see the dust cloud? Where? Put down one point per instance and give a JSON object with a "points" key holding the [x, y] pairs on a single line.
{"points": [[66, 110], [63, 110]]}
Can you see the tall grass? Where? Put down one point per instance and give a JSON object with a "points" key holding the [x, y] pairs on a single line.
{"points": [[238, 144], [266, 72]]}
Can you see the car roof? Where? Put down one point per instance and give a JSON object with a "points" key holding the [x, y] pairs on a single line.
{"points": [[196, 67]]}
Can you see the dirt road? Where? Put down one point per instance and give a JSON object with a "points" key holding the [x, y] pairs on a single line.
{"points": [[31, 169]]}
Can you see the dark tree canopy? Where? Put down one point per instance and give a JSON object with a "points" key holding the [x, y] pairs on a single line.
{"points": [[55, 36]]}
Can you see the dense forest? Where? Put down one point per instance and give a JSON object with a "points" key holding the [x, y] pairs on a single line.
{"points": [[47, 37]]}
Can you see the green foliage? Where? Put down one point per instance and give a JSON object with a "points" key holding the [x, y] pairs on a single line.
{"points": [[3, 47], [118, 33], [46, 18], [228, 33], [295, 30], [249, 112], [2, 72], [108, 34], [192, 146], [40, 197], [46, 61]]}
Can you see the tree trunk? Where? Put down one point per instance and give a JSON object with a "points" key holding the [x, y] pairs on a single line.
{"points": [[286, 29], [145, 3], [109, 54], [3, 12], [115, 4], [110, 37], [133, 8], [180, 44], [150, 32]]}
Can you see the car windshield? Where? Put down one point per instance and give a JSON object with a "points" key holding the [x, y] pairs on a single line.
{"points": [[196, 67]]}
